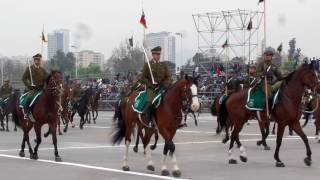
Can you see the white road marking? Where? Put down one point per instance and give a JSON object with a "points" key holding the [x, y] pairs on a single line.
{"points": [[91, 167]]}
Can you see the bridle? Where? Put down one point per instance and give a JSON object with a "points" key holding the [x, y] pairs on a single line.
{"points": [[186, 101]]}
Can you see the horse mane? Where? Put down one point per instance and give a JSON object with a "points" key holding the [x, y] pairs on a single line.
{"points": [[52, 73]]}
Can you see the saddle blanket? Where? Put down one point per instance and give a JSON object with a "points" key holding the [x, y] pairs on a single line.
{"points": [[24, 98], [222, 99], [256, 99], [3, 102], [141, 101]]}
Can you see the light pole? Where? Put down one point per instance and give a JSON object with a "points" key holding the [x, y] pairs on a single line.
{"points": [[181, 58], [75, 51]]}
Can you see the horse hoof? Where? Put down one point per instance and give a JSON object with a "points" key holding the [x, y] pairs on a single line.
{"points": [[273, 133], [243, 159], [73, 126], [7, 130], [34, 156], [81, 127], [15, 129], [319, 141], [58, 159], [259, 143], [290, 133], [135, 149], [35, 140], [176, 173], [307, 161], [267, 148], [280, 164], [60, 133], [233, 161], [153, 147], [150, 167], [64, 130], [126, 168], [165, 172], [22, 154], [224, 141], [94, 122]]}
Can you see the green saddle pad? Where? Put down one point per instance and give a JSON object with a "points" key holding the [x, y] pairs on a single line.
{"points": [[141, 101], [24, 98], [222, 99], [3, 102], [256, 99]]}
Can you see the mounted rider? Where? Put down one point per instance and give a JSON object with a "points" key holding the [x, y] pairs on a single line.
{"points": [[5, 92], [270, 75], [251, 76], [233, 85], [162, 78], [34, 79], [76, 95]]}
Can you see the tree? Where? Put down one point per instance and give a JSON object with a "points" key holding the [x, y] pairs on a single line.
{"points": [[126, 59], [62, 62], [292, 49]]}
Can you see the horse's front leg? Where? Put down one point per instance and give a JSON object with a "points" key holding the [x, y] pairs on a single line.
{"points": [[146, 136], [7, 120], [37, 129], [53, 128], [170, 147]]}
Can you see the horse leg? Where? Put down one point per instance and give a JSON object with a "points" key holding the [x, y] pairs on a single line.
{"points": [[125, 166], [227, 136], [2, 123], [25, 139], [7, 120], [47, 133], [37, 129], [243, 153], [298, 129], [274, 128], [280, 132], [264, 133], [82, 121], [135, 148], [156, 138], [54, 140], [59, 130], [147, 151], [94, 120], [195, 119]]}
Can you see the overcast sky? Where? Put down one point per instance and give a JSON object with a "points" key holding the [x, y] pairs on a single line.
{"points": [[112, 21]]}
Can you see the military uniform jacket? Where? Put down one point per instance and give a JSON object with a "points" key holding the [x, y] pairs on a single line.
{"points": [[160, 72], [273, 72], [248, 81], [5, 91], [39, 77], [233, 85]]}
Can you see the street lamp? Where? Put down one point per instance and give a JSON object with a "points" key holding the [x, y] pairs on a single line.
{"points": [[181, 56], [75, 50]]}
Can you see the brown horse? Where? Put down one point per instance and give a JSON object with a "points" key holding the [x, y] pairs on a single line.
{"points": [[64, 113], [286, 112], [168, 117], [9, 109], [45, 111], [94, 105]]}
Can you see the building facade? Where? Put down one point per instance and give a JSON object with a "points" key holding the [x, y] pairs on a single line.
{"points": [[167, 42], [87, 57], [59, 40]]}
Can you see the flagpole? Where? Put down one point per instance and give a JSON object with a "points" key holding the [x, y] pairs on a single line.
{"points": [[42, 40], [265, 25]]}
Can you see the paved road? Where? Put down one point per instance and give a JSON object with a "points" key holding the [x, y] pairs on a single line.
{"points": [[88, 154]]}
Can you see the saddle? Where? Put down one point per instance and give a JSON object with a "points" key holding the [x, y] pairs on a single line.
{"points": [[141, 101], [256, 99], [3, 102], [24, 99]]}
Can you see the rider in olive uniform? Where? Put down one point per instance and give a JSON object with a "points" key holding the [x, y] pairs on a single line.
{"points": [[34, 84], [162, 78]]}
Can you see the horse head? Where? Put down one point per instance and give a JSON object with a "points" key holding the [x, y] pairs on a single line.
{"points": [[309, 76], [189, 94], [55, 83]]}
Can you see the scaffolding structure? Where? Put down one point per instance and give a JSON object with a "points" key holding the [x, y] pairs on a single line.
{"points": [[229, 28]]}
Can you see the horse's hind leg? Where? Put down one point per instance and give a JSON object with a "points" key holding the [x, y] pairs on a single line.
{"points": [[129, 130], [135, 148], [7, 120], [274, 128], [2, 123], [297, 128], [59, 130], [156, 138], [54, 140], [94, 119], [280, 132], [264, 133]]}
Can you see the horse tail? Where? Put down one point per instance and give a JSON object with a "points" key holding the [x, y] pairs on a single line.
{"points": [[120, 126], [15, 117], [223, 115], [213, 108]]}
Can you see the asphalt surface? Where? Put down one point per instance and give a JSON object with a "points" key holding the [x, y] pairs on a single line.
{"points": [[89, 154]]}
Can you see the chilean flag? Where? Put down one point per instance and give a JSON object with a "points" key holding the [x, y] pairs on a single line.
{"points": [[143, 21]]}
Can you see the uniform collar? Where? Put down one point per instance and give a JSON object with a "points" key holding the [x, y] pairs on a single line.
{"points": [[35, 66], [154, 61]]}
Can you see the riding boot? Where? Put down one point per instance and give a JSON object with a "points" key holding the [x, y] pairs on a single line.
{"points": [[149, 115], [26, 112], [270, 103]]}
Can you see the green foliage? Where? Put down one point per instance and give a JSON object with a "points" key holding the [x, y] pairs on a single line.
{"points": [[92, 70], [62, 62]]}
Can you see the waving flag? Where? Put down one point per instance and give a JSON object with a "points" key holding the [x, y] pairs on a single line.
{"points": [[143, 21], [249, 27], [43, 38]]}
